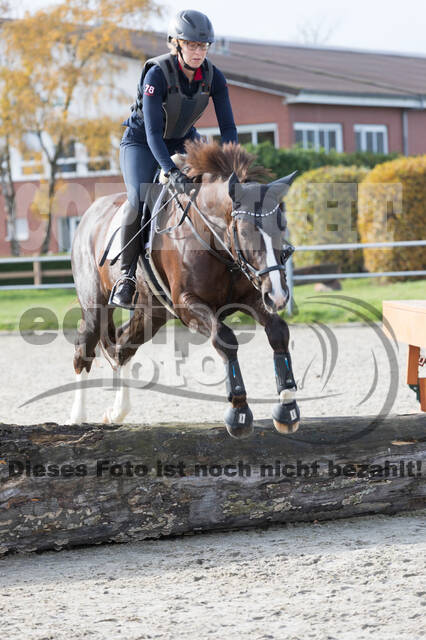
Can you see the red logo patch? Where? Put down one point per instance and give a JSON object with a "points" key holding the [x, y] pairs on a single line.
{"points": [[148, 90]]}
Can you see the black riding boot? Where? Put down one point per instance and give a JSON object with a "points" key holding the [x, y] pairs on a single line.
{"points": [[124, 289]]}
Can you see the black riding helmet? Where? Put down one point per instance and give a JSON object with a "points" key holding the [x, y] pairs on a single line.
{"points": [[192, 26]]}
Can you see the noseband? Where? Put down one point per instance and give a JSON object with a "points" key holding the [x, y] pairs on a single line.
{"points": [[254, 275]]}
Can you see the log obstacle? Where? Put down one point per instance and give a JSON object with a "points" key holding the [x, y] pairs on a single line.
{"points": [[62, 486]]}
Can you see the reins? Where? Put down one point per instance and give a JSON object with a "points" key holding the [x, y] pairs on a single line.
{"points": [[235, 263], [111, 240], [240, 262]]}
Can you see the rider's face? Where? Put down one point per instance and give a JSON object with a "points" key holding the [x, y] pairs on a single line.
{"points": [[193, 52]]}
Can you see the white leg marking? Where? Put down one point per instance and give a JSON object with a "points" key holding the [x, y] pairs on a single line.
{"points": [[78, 411], [121, 407], [275, 276], [287, 396]]}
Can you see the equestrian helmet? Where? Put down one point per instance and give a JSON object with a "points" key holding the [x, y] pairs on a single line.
{"points": [[191, 25]]}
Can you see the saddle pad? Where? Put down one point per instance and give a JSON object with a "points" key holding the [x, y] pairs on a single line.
{"points": [[113, 228]]}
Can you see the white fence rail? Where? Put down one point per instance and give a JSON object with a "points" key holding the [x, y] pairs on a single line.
{"points": [[37, 273], [292, 278]]}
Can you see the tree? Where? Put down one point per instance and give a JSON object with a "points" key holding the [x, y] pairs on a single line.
{"points": [[64, 54], [6, 136], [316, 30]]}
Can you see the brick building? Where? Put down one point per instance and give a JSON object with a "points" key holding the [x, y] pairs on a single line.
{"points": [[315, 96]]}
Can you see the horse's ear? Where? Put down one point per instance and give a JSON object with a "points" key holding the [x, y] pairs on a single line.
{"points": [[233, 180], [281, 186], [287, 179]]}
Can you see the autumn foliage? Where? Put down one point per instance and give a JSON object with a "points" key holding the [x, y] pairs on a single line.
{"points": [[63, 57]]}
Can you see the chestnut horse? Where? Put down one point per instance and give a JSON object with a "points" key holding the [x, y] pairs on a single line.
{"points": [[229, 254]]}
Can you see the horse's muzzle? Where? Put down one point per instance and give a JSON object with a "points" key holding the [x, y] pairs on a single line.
{"points": [[272, 300]]}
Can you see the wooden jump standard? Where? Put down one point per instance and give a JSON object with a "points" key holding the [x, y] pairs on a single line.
{"points": [[68, 485], [407, 320]]}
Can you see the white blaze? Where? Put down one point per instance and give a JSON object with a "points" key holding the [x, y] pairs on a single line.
{"points": [[275, 276]]}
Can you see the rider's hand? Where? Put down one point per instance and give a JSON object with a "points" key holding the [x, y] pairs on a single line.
{"points": [[179, 180]]}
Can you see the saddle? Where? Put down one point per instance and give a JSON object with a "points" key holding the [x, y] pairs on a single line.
{"points": [[155, 198], [154, 201]]}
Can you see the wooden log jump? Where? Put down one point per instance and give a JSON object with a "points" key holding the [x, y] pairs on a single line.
{"points": [[62, 486]]}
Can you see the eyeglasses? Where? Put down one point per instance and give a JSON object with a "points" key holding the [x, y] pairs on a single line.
{"points": [[192, 46]]}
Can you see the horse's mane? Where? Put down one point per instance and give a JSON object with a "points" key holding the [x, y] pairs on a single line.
{"points": [[221, 161]]}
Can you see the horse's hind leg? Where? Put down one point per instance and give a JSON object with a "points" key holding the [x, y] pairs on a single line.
{"points": [[85, 345], [140, 328]]}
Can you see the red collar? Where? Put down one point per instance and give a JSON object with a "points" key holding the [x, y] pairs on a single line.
{"points": [[198, 75]]}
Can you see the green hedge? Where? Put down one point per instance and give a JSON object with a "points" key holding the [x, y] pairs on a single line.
{"points": [[322, 209], [284, 161]]}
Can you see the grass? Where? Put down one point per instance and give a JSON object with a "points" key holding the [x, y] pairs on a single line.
{"points": [[29, 310], [311, 305]]}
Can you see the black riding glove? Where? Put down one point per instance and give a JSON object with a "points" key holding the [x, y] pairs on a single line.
{"points": [[179, 180]]}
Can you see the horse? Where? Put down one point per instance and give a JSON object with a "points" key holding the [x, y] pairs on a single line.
{"points": [[229, 254]]}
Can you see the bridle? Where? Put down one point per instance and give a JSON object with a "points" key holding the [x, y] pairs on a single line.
{"points": [[253, 274], [238, 261]]}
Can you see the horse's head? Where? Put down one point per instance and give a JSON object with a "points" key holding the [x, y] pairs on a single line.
{"points": [[258, 236]]}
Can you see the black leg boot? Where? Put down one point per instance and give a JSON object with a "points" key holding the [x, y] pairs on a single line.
{"points": [[123, 290]]}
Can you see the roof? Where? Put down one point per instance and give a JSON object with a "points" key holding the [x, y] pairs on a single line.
{"points": [[291, 69]]}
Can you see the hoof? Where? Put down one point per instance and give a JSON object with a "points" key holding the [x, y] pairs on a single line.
{"points": [[106, 418], [239, 421], [115, 416], [286, 417], [109, 417]]}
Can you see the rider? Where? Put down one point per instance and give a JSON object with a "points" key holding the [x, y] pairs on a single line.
{"points": [[173, 92]]}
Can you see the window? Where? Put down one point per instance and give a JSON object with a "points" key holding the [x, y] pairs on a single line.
{"points": [[66, 230], [67, 161], [254, 133], [21, 230], [314, 135], [75, 159], [371, 137], [99, 163], [31, 160]]}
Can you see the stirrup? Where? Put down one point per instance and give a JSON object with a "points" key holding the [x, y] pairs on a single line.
{"points": [[113, 290]]}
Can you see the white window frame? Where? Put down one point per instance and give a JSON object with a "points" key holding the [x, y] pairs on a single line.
{"points": [[18, 163], [73, 224], [316, 127], [22, 230], [75, 159], [81, 159], [254, 129], [363, 129]]}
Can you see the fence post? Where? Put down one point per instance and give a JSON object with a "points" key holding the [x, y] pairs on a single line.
{"points": [[37, 272], [289, 277], [290, 284]]}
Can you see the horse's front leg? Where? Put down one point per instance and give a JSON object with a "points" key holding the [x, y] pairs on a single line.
{"points": [[195, 314], [285, 414]]}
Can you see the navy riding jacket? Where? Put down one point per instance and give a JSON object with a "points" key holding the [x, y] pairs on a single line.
{"points": [[154, 90]]}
